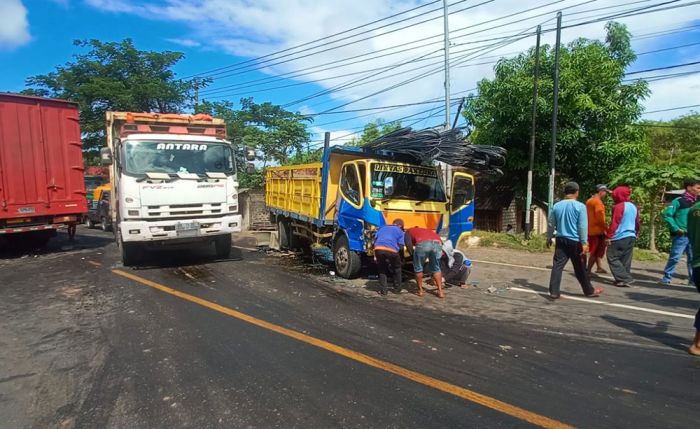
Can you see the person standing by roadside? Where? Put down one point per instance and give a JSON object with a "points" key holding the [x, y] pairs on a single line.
{"points": [[694, 236], [597, 228], [568, 219], [424, 244], [388, 242], [622, 236], [676, 217]]}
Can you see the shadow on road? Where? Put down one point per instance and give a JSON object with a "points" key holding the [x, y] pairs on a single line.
{"points": [[663, 300], [657, 332], [59, 244]]}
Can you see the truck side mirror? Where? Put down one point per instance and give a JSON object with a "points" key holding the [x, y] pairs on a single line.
{"points": [[250, 168], [106, 156], [250, 153]]}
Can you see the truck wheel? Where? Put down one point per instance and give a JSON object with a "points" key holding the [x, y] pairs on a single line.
{"points": [[104, 225], [284, 233], [89, 222], [223, 246], [130, 254], [347, 262]]}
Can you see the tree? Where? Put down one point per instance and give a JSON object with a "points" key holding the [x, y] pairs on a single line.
{"points": [[596, 111], [373, 131], [276, 134], [649, 182], [115, 76], [676, 141]]}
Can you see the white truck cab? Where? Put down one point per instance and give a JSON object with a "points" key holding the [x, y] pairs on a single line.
{"points": [[174, 182]]}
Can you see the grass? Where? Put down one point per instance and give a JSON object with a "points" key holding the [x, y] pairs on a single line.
{"points": [[538, 244]]}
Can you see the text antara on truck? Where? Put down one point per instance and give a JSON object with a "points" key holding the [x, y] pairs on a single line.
{"points": [[173, 182], [41, 168], [341, 201]]}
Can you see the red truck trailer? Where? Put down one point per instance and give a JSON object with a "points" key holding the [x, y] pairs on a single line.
{"points": [[41, 167]]}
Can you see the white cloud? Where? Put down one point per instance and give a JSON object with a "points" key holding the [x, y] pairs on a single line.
{"points": [[14, 26], [188, 43], [252, 29]]}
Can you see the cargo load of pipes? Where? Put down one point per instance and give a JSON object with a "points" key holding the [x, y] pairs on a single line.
{"points": [[448, 146]]}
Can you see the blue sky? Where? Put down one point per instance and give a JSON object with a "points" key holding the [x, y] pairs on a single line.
{"points": [[37, 35]]}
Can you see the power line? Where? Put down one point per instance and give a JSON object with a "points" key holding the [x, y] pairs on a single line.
{"points": [[321, 39], [668, 49], [672, 108], [326, 49], [664, 68], [440, 35]]}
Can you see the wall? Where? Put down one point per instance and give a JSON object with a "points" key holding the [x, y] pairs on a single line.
{"points": [[252, 208]]}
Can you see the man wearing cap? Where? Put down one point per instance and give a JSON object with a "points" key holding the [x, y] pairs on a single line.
{"points": [[568, 219], [597, 228]]}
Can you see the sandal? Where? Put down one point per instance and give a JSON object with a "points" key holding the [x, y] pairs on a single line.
{"points": [[596, 293]]}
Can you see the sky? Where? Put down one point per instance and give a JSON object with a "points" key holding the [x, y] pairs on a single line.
{"points": [[232, 42]]}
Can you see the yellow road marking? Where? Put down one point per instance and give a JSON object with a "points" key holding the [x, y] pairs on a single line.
{"points": [[435, 383], [97, 264]]}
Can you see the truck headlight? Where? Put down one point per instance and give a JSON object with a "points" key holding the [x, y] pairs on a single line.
{"points": [[233, 208], [133, 212]]}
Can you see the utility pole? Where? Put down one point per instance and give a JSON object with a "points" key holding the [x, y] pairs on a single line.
{"points": [[528, 200], [446, 20], [555, 111], [196, 95], [448, 116]]}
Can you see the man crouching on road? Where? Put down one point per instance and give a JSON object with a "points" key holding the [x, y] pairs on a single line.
{"points": [[425, 244], [388, 243], [569, 219]]}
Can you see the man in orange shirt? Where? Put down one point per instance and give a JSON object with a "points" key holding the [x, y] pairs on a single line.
{"points": [[597, 228]]}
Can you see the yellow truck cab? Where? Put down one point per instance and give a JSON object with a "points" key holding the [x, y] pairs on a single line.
{"points": [[342, 200]]}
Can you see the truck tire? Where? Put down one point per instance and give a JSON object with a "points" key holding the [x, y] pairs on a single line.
{"points": [[104, 225], [223, 247], [348, 263], [285, 234], [89, 223], [131, 253]]}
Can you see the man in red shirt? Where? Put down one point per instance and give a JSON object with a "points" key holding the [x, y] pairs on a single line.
{"points": [[424, 244]]}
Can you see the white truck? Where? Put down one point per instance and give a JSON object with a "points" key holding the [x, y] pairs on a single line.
{"points": [[173, 182]]}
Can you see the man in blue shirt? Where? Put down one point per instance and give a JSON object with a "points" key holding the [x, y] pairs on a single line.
{"points": [[569, 219], [388, 242]]}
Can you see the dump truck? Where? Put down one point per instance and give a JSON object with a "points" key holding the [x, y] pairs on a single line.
{"points": [[173, 182], [41, 168], [339, 202]]}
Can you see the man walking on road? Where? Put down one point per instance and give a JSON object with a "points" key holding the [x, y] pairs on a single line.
{"points": [[424, 244], [597, 228], [622, 236], [676, 217], [694, 236], [568, 218], [388, 243]]}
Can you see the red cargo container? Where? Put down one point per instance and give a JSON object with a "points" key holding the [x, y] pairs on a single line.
{"points": [[41, 166]]}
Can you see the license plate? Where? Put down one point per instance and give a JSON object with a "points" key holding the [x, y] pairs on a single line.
{"points": [[187, 229]]}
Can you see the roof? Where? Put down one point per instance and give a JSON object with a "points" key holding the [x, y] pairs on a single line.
{"points": [[493, 195], [33, 97]]}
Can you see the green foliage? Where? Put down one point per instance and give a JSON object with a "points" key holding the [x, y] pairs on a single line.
{"points": [[596, 110], [676, 141], [373, 131], [274, 132], [277, 135], [304, 157], [115, 76], [649, 181]]}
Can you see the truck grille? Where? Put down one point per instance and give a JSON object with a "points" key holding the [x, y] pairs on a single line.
{"points": [[179, 210]]}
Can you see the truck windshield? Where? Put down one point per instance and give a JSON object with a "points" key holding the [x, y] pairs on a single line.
{"points": [[178, 157], [409, 182]]}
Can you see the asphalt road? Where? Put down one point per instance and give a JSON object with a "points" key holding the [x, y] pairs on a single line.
{"points": [[259, 341]]}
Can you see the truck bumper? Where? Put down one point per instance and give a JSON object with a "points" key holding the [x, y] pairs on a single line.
{"points": [[165, 231]]}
